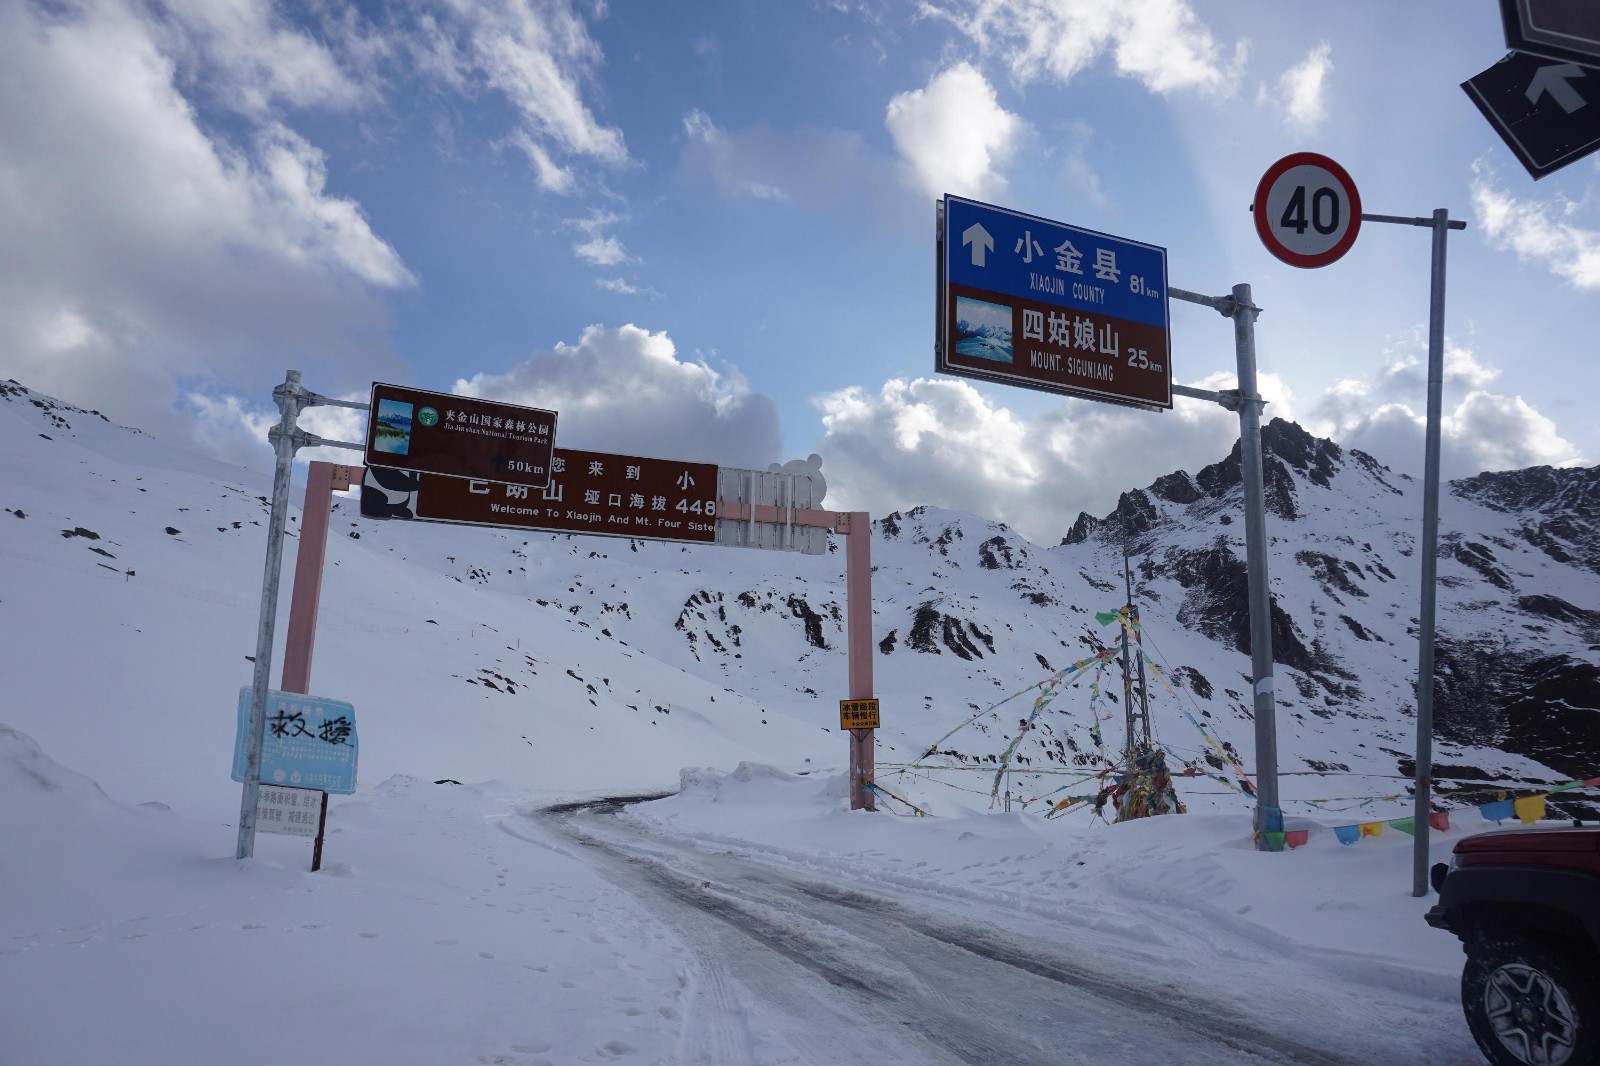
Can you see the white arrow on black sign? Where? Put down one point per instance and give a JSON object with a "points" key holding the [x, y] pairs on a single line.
{"points": [[1557, 81], [1540, 109]]}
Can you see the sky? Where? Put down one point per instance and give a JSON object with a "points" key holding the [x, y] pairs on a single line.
{"points": [[707, 231]]}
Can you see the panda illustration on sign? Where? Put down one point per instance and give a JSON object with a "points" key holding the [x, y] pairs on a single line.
{"points": [[811, 467], [387, 493]]}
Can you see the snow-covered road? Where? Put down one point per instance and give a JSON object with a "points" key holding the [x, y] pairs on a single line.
{"points": [[795, 967]]}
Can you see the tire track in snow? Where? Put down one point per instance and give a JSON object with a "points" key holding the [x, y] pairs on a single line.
{"points": [[922, 982]]}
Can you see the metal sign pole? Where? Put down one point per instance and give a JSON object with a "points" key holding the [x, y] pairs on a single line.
{"points": [[288, 397], [1441, 223], [1269, 815], [1248, 403], [286, 439]]}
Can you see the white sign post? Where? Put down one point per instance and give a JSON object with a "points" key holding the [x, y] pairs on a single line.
{"points": [[1307, 210]]}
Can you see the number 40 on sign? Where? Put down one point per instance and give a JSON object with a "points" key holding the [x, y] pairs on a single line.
{"points": [[1307, 210]]}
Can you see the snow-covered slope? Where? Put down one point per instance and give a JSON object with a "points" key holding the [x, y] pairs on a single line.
{"points": [[453, 924], [131, 577]]}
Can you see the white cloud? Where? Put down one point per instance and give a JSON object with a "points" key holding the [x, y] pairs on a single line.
{"points": [[1302, 90], [954, 135], [625, 390], [623, 287], [145, 258], [599, 247], [806, 166], [944, 443], [254, 58], [1479, 430], [1160, 42], [601, 251], [534, 54], [1535, 232], [551, 176]]}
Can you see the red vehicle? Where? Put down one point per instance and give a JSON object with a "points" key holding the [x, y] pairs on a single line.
{"points": [[1526, 905]]}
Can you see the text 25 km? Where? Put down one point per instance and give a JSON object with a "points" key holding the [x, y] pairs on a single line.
{"points": [[1139, 359]]}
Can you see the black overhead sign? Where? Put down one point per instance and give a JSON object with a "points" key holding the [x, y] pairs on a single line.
{"points": [[1547, 112], [1568, 30]]}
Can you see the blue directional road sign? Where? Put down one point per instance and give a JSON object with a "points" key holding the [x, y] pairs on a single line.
{"points": [[1045, 305], [309, 742]]}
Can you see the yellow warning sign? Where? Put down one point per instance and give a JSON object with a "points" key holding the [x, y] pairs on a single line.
{"points": [[858, 714]]}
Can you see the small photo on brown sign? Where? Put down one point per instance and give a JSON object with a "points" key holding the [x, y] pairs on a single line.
{"points": [[858, 714]]}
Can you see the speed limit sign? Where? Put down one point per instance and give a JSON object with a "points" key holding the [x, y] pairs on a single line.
{"points": [[1307, 210]]}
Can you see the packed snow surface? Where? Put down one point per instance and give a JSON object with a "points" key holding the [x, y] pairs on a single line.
{"points": [[470, 911]]}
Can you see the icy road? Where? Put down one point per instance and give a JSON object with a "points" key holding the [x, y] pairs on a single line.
{"points": [[793, 968]]}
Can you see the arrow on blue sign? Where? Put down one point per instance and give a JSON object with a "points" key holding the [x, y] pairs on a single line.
{"points": [[980, 240]]}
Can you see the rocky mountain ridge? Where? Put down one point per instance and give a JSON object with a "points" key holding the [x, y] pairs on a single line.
{"points": [[968, 613]]}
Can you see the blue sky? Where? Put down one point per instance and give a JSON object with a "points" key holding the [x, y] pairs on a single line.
{"points": [[705, 231]]}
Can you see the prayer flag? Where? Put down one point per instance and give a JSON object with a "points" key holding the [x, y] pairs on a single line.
{"points": [[1274, 841], [1347, 834], [1405, 825], [1297, 837], [1530, 808], [1440, 820], [1498, 811], [1372, 829]]}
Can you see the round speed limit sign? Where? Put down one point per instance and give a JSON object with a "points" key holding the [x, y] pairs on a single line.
{"points": [[1307, 210]]}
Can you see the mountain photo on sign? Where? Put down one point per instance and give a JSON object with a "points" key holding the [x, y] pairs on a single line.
{"points": [[983, 330], [393, 433]]}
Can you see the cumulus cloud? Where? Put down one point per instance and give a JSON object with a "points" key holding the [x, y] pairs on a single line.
{"points": [[944, 443], [1302, 90], [170, 229], [1385, 415], [1162, 43], [1537, 232], [953, 134], [146, 256], [626, 390]]}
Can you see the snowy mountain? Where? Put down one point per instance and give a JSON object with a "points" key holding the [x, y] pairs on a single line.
{"points": [[498, 677], [536, 656]]}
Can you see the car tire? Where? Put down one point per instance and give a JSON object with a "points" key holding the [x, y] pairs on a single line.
{"points": [[1530, 1002]]}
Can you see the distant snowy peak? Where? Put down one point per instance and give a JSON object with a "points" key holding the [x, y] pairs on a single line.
{"points": [[1555, 509], [54, 412], [1292, 462], [958, 537]]}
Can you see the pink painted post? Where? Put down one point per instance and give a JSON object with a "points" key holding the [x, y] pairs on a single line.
{"points": [[858, 625], [321, 481]]}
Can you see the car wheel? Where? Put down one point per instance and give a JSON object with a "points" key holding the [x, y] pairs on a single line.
{"points": [[1529, 1002]]}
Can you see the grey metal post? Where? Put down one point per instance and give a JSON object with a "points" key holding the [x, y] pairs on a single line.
{"points": [[1441, 223], [1269, 815], [1430, 557], [1246, 401], [288, 398]]}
